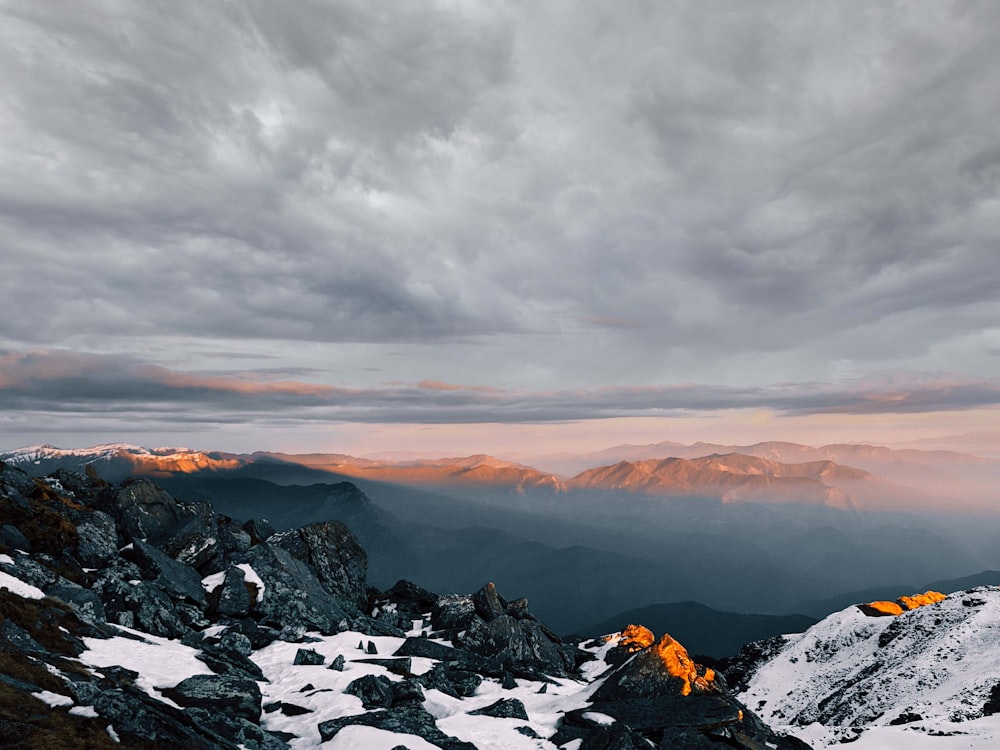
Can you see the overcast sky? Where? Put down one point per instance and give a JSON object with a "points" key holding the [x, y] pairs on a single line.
{"points": [[285, 225]]}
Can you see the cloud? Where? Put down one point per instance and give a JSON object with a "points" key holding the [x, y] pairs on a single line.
{"points": [[102, 386], [685, 189]]}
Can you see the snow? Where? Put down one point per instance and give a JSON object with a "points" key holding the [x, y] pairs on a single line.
{"points": [[369, 738], [856, 674], [88, 712], [160, 662], [53, 699], [209, 583], [20, 588], [6, 559], [327, 700]]}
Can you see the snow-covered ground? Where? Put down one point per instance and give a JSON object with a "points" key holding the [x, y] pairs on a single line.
{"points": [[327, 700], [917, 680]]}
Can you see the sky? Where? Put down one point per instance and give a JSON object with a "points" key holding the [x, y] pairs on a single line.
{"points": [[495, 226]]}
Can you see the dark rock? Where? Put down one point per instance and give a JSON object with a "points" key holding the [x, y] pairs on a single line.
{"points": [[338, 663], [453, 612], [521, 643], [665, 668], [235, 642], [141, 721], [98, 539], [489, 667], [11, 537], [543, 689], [409, 718], [143, 606], [453, 681], [371, 648], [406, 691], [259, 529], [400, 666], [308, 657], [144, 511], [234, 597], [195, 541], [86, 603], [239, 731], [332, 552], [507, 682], [420, 599], [223, 693], [293, 597], [375, 691], [488, 603], [230, 662], [177, 579], [290, 709], [505, 708]]}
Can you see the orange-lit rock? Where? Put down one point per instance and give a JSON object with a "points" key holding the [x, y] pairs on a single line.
{"points": [[637, 637], [901, 605], [680, 665], [662, 668], [881, 609], [920, 600]]}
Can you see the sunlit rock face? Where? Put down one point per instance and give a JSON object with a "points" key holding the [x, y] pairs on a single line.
{"points": [[660, 668], [901, 605]]}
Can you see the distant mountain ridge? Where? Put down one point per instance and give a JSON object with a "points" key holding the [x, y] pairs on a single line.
{"points": [[733, 476]]}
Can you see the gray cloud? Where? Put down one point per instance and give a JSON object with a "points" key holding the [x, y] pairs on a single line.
{"points": [[622, 195], [71, 383]]}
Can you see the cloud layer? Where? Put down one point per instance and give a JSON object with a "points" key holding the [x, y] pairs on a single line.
{"points": [[541, 199]]}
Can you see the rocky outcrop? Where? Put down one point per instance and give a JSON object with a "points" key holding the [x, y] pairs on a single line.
{"points": [[901, 605], [659, 694], [129, 561]]}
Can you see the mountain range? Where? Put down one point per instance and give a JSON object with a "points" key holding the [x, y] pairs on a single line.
{"points": [[130, 618]]}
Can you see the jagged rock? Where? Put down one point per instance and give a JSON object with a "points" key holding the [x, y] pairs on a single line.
{"points": [[175, 578], [520, 643], [409, 718], [224, 693], [371, 649], [739, 669], [195, 542], [375, 691], [489, 667], [308, 656], [488, 603], [661, 669], [505, 708], [143, 606], [507, 682], [98, 538], [144, 511], [11, 536], [331, 550], [400, 666], [259, 529], [293, 597], [338, 663], [453, 681], [86, 603], [229, 661], [233, 598], [406, 691], [406, 592], [137, 718], [452, 612]]}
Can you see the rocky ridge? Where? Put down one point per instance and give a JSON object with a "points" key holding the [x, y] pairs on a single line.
{"points": [[129, 618], [932, 670]]}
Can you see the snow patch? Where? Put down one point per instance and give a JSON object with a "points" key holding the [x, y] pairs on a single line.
{"points": [[19, 588], [160, 662], [53, 699]]}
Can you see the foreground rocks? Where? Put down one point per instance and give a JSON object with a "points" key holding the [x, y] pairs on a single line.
{"points": [[86, 561]]}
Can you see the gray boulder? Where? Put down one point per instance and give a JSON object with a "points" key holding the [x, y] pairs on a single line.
{"points": [[237, 696]]}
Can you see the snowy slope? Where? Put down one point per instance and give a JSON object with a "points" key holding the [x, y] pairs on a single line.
{"points": [[927, 673]]}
